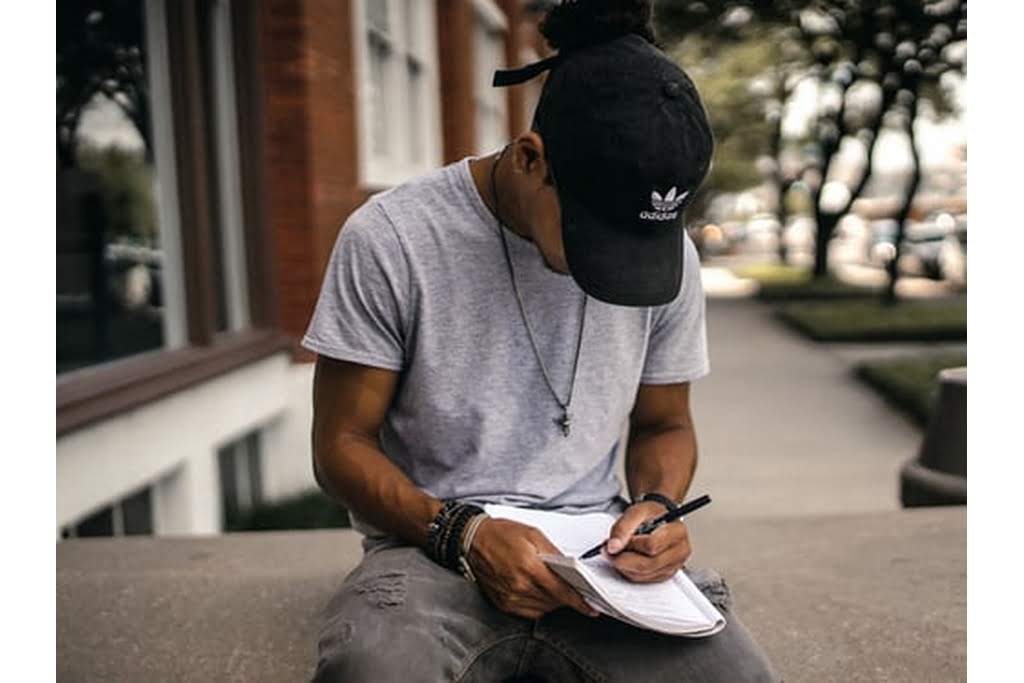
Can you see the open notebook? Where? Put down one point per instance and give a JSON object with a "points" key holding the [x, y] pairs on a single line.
{"points": [[675, 606]]}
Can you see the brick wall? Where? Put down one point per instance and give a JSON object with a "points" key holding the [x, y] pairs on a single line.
{"points": [[311, 158]]}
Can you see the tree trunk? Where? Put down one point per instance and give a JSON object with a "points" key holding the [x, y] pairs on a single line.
{"points": [[889, 296], [826, 227], [782, 184]]}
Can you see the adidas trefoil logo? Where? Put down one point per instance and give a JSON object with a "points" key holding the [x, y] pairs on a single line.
{"points": [[670, 202], [664, 207]]}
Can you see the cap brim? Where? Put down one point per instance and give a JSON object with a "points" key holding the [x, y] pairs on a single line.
{"points": [[640, 267]]}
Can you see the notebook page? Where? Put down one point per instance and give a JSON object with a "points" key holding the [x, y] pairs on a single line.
{"points": [[662, 600], [571, 534]]}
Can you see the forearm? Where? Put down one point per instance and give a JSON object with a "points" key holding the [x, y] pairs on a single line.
{"points": [[662, 461], [353, 470]]}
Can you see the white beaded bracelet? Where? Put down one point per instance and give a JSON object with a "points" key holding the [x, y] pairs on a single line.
{"points": [[467, 543]]}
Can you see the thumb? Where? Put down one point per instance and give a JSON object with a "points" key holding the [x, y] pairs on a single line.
{"points": [[626, 525]]}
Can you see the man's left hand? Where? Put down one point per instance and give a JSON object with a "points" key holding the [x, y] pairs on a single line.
{"points": [[647, 558]]}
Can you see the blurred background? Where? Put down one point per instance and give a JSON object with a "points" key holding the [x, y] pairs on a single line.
{"points": [[208, 152]]}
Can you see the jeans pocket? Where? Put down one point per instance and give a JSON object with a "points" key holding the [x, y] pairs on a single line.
{"points": [[712, 585]]}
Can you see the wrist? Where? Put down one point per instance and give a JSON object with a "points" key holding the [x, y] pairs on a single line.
{"points": [[655, 497], [468, 536], [446, 535]]}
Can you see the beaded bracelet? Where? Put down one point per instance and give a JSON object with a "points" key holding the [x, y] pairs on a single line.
{"points": [[436, 529], [467, 545], [445, 532]]}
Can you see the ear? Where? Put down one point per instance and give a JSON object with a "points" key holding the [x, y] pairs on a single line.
{"points": [[528, 154]]}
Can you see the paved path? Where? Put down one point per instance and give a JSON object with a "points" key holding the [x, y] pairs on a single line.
{"points": [[784, 428]]}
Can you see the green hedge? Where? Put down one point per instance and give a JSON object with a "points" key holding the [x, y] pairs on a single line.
{"points": [[311, 510], [910, 384], [873, 321], [780, 283]]}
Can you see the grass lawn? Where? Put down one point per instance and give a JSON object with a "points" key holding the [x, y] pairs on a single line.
{"points": [[870, 320], [794, 283], [911, 384]]}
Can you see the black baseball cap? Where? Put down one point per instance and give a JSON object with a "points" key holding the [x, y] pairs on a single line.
{"points": [[628, 143]]}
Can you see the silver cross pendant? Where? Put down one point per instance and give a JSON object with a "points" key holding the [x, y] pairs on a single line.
{"points": [[565, 423]]}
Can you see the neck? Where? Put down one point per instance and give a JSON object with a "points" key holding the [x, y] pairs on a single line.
{"points": [[496, 167]]}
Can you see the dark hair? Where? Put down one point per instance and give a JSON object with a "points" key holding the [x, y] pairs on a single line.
{"points": [[578, 23]]}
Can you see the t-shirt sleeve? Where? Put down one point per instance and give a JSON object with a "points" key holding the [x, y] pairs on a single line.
{"points": [[677, 342], [361, 315]]}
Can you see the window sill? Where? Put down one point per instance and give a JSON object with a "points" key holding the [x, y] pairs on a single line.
{"points": [[93, 394]]}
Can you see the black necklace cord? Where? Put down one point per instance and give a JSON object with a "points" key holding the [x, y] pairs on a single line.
{"points": [[566, 421]]}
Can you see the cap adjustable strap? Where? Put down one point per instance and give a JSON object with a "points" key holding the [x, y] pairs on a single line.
{"points": [[505, 77]]}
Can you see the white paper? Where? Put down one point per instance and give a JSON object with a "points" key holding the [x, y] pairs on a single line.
{"points": [[674, 606]]}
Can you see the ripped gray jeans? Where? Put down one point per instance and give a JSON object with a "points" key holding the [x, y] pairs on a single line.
{"points": [[400, 617]]}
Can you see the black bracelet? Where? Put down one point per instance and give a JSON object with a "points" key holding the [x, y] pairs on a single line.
{"points": [[436, 529], [444, 534], [669, 504]]}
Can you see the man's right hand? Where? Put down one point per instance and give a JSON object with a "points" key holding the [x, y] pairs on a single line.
{"points": [[505, 558]]}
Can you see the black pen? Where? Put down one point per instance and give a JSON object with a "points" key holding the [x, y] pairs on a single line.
{"points": [[648, 527]]}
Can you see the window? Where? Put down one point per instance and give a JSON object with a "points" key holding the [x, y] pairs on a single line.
{"points": [[399, 122], [163, 275], [130, 516], [241, 478], [111, 262], [491, 103], [120, 289]]}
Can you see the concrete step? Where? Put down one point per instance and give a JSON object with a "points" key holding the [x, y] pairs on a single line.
{"points": [[859, 597]]}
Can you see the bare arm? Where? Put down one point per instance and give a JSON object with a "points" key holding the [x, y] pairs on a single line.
{"points": [[662, 452], [349, 405], [661, 458]]}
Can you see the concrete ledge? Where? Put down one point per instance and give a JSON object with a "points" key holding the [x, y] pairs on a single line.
{"points": [[838, 598]]}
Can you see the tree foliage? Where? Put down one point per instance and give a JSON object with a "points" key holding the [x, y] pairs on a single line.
{"points": [[898, 48]]}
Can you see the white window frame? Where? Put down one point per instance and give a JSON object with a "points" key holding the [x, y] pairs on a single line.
{"points": [[488, 16], [158, 69], [378, 172], [223, 109]]}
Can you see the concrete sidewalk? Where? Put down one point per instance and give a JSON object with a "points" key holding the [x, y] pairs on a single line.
{"points": [[783, 427]]}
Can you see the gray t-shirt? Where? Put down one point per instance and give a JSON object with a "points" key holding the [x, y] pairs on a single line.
{"points": [[418, 283]]}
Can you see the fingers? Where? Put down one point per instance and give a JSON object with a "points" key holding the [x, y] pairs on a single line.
{"points": [[552, 584], [561, 592], [654, 557], [516, 580], [519, 604], [626, 525], [661, 540]]}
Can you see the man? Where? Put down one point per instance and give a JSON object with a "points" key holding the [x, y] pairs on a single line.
{"points": [[483, 334]]}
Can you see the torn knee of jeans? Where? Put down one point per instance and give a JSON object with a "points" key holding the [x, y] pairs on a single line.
{"points": [[383, 590], [336, 632], [713, 586]]}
